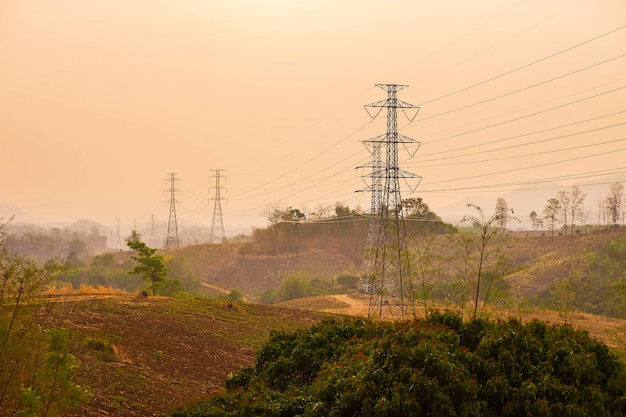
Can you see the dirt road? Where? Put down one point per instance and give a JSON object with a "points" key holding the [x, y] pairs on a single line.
{"points": [[355, 305]]}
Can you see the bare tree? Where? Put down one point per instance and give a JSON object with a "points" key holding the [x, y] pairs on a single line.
{"points": [[565, 201], [613, 202], [487, 231], [534, 218], [273, 213], [277, 213], [577, 198], [321, 211], [586, 215], [601, 212]]}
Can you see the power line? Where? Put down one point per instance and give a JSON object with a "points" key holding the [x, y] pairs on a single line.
{"points": [[474, 29], [312, 158], [517, 137], [489, 187], [308, 180], [502, 42], [519, 118], [435, 140], [503, 158], [351, 134], [524, 66], [529, 167], [326, 150], [529, 144], [334, 174], [523, 89]]}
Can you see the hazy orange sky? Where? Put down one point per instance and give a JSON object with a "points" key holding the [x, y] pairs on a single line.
{"points": [[101, 99]]}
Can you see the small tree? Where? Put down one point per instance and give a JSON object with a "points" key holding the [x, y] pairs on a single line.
{"points": [[151, 265], [577, 198], [294, 286], [278, 214], [502, 213], [534, 218], [458, 265], [416, 208], [613, 202], [488, 229], [427, 266], [342, 210], [565, 203], [551, 211], [54, 391]]}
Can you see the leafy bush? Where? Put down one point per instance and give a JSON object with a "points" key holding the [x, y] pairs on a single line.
{"points": [[348, 282], [439, 366]]}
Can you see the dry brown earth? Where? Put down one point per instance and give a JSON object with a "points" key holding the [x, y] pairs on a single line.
{"points": [[145, 356]]}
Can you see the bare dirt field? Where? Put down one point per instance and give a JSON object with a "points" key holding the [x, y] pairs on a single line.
{"points": [[145, 356]]}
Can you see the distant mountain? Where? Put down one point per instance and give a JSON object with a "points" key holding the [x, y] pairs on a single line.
{"points": [[7, 211]]}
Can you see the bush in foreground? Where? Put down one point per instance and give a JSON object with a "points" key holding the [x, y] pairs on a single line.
{"points": [[439, 366]]}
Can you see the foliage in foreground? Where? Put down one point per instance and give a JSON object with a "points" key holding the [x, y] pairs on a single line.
{"points": [[439, 366], [36, 366]]}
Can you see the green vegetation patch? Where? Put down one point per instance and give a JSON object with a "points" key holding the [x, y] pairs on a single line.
{"points": [[592, 281], [103, 348], [438, 366]]}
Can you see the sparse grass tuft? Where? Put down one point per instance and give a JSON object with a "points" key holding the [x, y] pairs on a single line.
{"points": [[105, 350]]}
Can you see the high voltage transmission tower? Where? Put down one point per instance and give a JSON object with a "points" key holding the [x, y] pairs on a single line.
{"points": [[388, 278], [152, 229], [172, 226], [118, 239], [217, 225]]}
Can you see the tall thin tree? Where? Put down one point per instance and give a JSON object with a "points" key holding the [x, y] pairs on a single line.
{"points": [[577, 198]]}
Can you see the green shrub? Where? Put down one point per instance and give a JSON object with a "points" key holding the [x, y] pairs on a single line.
{"points": [[439, 366]]}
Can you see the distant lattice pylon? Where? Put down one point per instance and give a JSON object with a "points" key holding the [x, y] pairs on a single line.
{"points": [[217, 224], [172, 226], [388, 280]]}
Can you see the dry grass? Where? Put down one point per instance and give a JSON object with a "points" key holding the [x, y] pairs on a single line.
{"points": [[68, 289]]}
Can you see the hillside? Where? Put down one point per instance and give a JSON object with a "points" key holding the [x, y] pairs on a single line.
{"points": [[224, 266], [537, 267], [145, 356]]}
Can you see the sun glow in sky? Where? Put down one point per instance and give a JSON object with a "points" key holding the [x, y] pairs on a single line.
{"points": [[100, 100]]}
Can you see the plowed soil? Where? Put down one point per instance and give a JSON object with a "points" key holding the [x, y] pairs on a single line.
{"points": [[146, 356]]}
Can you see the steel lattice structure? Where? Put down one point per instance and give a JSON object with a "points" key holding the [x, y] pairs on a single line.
{"points": [[172, 226], [388, 280], [217, 224]]}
